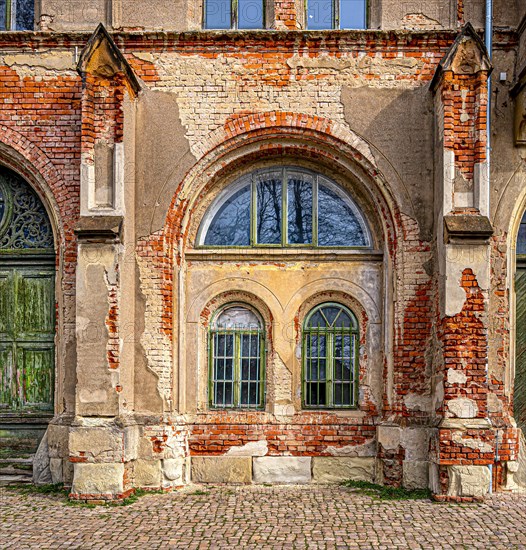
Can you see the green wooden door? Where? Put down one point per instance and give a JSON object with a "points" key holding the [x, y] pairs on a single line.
{"points": [[519, 394], [27, 327]]}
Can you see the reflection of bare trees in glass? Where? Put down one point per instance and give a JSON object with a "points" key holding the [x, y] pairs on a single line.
{"points": [[231, 224], [300, 211], [269, 211]]}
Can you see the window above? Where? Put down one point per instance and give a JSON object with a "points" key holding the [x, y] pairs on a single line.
{"points": [[284, 206], [336, 14], [233, 14], [17, 15]]}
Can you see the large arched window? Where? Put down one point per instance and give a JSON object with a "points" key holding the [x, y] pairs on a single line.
{"points": [[237, 351], [330, 358], [284, 206]]}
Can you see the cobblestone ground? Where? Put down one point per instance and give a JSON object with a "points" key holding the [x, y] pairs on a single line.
{"points": [[260, 517]]}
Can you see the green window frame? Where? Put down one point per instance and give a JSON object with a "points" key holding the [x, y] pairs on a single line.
{"points": [[330, 358], [234, 14], [17, 15], [236, 359], [286, 178], [337, 14]]}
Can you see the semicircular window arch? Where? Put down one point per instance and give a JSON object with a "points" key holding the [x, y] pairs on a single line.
{"points": [[24, 223], [284, 206]]}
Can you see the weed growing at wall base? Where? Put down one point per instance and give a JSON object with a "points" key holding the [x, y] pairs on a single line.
{"points": [[379, 492]]}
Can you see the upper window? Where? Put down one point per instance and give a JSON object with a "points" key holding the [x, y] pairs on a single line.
{"points": [[330, 358], [284, 206], [521, 239], [237, 359], [234, 14], [336, 14], [17, 15]]}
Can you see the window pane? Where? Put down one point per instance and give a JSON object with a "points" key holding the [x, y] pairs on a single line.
{"points": [[2, 206], [3, 9], [218, 14], [320, 14], [237, 317], [521, 240], [315, 395], [231, 224], [352, 14], [317, 320], [337, 221], [299, 209], [250, 14], [25, 14], [268, 199]]}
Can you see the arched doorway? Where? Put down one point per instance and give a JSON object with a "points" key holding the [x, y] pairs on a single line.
{"points": [[27, 316], [519, 392]]}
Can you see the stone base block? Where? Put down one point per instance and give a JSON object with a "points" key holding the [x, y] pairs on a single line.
{"points": [[221, 469], [98, 479], [416, 474], [337, 469], [175, 472], [282, 469], [147, 473], [468, 481]]}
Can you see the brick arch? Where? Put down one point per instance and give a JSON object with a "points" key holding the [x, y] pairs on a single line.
{"points": [[257, 135], [26, 158]]}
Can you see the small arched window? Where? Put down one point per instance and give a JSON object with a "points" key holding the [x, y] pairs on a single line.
{"points": [[237, 369], [284, 206], [330, 358]]}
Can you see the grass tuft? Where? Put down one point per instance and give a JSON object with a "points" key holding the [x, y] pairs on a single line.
{"points": [[380, 492]]}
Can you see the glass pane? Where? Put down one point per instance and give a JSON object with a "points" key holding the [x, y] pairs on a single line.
{"points": [[317, 320], [315, 394], [231, 224], [299, 209], [250, 14], [218, 14], [2, 206], [25, 15], [3, 10], [343, 320], [320, 14], [353, 14], [521, 239], [342, 394], [338, 224], [268, 200], [224, 346], [239, 318]]}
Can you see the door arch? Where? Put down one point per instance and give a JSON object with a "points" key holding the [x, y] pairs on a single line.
{"points": [[27, 302]]}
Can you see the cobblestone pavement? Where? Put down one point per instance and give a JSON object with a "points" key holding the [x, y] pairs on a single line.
{"points": [[260, 517]]}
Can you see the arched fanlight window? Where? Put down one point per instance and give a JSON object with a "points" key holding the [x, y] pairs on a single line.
{"points": [[284, 206], [237, 370], [330, 358]]}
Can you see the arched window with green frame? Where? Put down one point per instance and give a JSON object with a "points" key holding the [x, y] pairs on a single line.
{"points": [[237, 359], [330, 358]]}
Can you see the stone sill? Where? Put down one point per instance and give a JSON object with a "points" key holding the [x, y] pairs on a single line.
{"points": [[283, 254]]}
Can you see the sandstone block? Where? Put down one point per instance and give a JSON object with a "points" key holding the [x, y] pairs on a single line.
{"points": [[415, 474], [221, 469], [463, 407], [147, 473], [337, 469], [174, 470], [389, 437], [55, 467], [96, 442], [468, 481], [41, 471], [282, 469], [91, 479]]}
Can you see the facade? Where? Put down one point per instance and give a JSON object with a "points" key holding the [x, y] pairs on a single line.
{"points": [[263, 242]]}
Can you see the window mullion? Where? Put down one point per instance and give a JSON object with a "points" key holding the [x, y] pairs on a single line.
{"points": [[336, 8], [315, 211], [233, 14], [236, 374], [284, 208], [330, 367]]}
